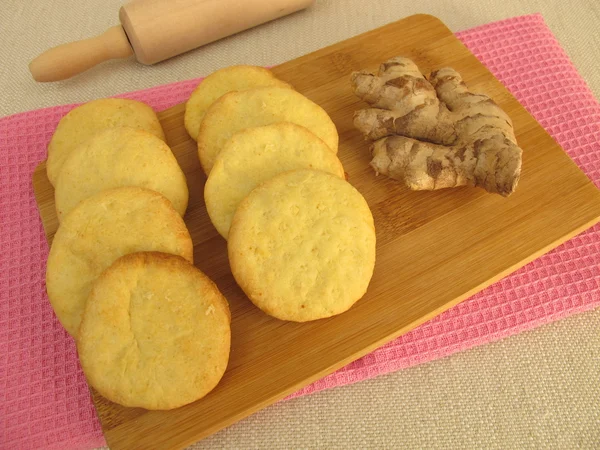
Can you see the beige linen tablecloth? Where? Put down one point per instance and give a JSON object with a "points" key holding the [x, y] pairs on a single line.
{"points": [[539, 389]]}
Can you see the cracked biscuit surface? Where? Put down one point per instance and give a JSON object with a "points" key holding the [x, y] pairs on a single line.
{"points": [[302, 245], [101, 229], [155, 333]]}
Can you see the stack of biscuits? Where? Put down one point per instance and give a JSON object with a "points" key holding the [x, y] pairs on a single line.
{"points": [[152, 331], [300, 239]]}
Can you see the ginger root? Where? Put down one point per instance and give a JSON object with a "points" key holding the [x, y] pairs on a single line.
{"points": [[433, 133]]}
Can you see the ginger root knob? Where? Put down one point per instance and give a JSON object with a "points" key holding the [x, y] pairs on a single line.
{"points": [[433, 133]]}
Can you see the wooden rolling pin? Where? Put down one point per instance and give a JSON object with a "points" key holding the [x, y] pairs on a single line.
{"points": [[155, 30]]}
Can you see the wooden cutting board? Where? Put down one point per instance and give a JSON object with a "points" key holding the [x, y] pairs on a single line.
{"points": [[434, 249]]}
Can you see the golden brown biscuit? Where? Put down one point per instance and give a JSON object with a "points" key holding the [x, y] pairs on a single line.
{"points": [[101, 229], [228, 79], [84, 121], [302, 245], [117, 157], [255, 155], [237, 111], [155, 332]]}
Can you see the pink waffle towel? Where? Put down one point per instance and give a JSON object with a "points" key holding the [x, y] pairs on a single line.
{"points": [[44, 399]]}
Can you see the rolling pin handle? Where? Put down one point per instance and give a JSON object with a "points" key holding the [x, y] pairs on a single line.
{"points": [[67, 60]]}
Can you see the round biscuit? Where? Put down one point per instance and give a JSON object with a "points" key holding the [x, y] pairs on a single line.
{"points": [[155, 333], [117, 157], [253, 156], [228, 79], [101, 229], [84, 121], [302, 245], [239, 110]]}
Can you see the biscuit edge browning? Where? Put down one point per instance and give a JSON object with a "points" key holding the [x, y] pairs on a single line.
{"points": [[120, 272]]}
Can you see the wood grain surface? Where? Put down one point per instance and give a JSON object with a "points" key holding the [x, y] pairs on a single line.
{"points": [[434, 249]]}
